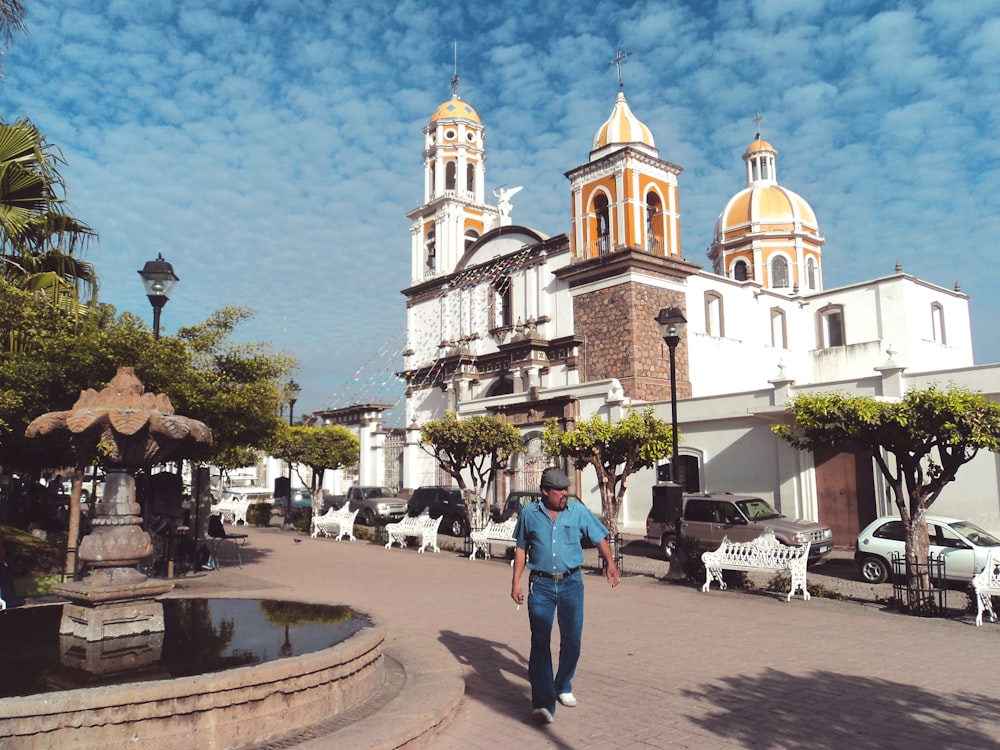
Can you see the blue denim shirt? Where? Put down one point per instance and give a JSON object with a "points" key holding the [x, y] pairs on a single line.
{"points": [[554, 546]]}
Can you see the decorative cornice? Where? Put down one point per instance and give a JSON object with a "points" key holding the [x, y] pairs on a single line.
{"points": [[623, 262]]}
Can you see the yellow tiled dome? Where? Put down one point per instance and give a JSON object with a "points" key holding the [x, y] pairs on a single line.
{"points": [[456, 109]]}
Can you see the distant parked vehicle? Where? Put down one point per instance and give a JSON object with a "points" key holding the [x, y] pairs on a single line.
{"points": [[445, 502], [375, 505], [709, 517], [963, 546]]}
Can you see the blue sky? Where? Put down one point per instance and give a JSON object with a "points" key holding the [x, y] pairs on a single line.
{"points": [[271, 149]]}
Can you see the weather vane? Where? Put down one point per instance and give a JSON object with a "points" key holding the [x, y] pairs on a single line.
{"points": [[619, 59], [756, 120], [454, 77]]}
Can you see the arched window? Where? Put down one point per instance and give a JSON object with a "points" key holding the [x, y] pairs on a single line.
{"points": [[430, 249], [603, 238], [831, 326], [433, 183], [654, 224], [471, 237], [779, 329], [449, 175], [741, 271], [501, 313], [470, 178], [937, 323], [715, 324], [779, 273], [811, 273]]}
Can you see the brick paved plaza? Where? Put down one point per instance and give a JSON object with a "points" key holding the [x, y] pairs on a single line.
{"points": [[663, 665]]}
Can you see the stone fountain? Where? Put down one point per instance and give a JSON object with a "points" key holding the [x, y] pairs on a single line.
{"points": [[129, 428]]}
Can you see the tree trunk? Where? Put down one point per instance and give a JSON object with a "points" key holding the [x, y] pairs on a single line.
{"points": [[73, 533], [919, 590]]}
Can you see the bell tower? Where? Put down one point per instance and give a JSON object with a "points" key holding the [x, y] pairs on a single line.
{"points": [[454, 213], [627, 261]]}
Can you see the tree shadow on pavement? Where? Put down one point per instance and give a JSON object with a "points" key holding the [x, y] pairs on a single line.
{"points": [[829, 710]]}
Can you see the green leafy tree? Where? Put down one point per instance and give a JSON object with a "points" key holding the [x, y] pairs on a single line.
{"points": [[477, 446], [616, 451], [918, 443], [319, 448], [234, 388]]}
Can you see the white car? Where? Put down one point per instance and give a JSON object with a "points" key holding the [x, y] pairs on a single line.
{"points": [[963, 545]]}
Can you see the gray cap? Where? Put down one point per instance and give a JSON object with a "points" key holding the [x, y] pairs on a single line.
{"points": [[555, 479]]}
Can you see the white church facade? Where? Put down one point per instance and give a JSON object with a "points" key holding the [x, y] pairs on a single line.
{"points": [[506, 320]]}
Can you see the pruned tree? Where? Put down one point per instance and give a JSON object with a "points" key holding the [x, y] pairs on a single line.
{"points": [[319, 448], [477, 446], [918, 442], [616, 451]]}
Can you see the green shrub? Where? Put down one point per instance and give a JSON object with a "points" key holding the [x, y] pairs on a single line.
{"points": [[259, 514], [302, 521], [782, 582]]}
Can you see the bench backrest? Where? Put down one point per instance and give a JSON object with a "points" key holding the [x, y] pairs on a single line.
{"points": [[989, 576]]}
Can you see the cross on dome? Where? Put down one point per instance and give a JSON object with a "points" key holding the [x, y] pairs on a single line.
{"points": [[618, 60]]}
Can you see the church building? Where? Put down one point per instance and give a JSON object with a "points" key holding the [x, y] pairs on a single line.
{"points": [[508, 320]]}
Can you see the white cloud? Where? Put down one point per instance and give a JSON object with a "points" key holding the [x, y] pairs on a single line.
{"points": [[271, 152]]}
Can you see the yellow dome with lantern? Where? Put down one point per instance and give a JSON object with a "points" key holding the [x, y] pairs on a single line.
{"points": [[764, 221]]}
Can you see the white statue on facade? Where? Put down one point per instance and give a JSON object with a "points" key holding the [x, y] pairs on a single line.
{"points": [[503, 197]]}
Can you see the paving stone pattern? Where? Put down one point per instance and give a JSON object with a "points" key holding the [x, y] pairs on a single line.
{"points": [[663, 665]]}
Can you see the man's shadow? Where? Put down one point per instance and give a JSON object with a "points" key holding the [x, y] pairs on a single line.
{"points": [[497, 674]]}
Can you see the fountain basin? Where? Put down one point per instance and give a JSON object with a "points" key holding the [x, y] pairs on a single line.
{"points": [[231, 708]]}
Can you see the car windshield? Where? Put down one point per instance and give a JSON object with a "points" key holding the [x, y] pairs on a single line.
{"points": [[757, 509], [979, 537], [378, 492]]}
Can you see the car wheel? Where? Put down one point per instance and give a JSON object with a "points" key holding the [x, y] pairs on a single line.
{"points": [[874, 569], [368, 518], [456, 527], [667, 547]]}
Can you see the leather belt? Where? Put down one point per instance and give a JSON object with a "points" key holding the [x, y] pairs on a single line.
{"points": [[555, 576]]}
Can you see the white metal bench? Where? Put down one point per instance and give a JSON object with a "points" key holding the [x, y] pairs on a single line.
{"points": [[495, 532], [341, 519], [763, 553], [232, 511], [986, 584], [423, 527]]}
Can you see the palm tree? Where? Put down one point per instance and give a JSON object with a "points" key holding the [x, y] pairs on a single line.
{"points": [[38, 238], [11, 21]]}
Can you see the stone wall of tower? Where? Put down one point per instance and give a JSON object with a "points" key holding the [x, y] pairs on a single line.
{"points": [[622, 340]]}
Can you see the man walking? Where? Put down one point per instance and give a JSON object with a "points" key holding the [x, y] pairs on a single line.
{"points": [[549, 535]]}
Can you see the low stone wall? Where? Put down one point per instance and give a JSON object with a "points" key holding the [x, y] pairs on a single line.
{"points": [[233, 708]]}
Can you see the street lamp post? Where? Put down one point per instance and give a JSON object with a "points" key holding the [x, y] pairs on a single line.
{"points": [[672, 324], [158, 278], [292, 391]]}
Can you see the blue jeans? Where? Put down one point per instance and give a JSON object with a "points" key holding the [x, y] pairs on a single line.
{"points": [[548, 599]]}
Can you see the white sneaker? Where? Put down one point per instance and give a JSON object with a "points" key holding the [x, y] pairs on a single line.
{"points": [[541, 716], [567, 699]]}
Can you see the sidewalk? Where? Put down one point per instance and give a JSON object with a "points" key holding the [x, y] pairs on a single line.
{"points": [[663, 665]]}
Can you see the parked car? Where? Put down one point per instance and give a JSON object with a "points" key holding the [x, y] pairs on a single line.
{"points": [[962, 544], [446, 502], [375, 505], [709, 517]]}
